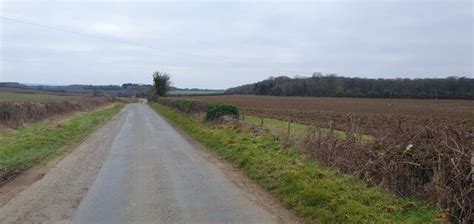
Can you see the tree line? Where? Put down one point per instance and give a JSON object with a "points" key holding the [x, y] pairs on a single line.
{"points": [[337, 86]]}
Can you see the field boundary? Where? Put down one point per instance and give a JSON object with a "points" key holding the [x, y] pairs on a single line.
{"points": [[417, 148], [289, 175], [15, 114]]}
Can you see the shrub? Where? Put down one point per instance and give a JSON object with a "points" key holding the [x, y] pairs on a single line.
{"points": [[216, 111]]}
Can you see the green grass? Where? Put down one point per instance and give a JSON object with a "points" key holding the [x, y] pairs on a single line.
{"points": [[28, 146], [15, 97], [318, 194], [191, 92], [297, 130]]}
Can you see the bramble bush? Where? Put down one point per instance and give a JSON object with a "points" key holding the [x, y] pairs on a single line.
{"points": [[218, 110]]}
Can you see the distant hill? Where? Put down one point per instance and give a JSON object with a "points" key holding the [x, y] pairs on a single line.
{"points": [[336, 86], [126, 89], [13, 85]]}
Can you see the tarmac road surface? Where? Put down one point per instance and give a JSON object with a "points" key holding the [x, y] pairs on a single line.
{"points": [[156, 175], [137, 168]]}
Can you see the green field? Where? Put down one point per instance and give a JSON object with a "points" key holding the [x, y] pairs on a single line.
{"points": [[299, 131], [30, 145], [317, 193], [185, 92], [15, 97]]}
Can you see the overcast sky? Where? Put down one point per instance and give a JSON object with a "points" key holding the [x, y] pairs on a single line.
{"points": [[210, 44]]}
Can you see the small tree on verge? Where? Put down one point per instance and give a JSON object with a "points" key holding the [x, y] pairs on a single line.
{"points": [[161, 83]]}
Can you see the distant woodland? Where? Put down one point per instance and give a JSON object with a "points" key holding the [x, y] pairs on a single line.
{"points": [[337, 86]]}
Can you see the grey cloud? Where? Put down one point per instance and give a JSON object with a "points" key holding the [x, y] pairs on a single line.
{"points": [[219, 45]]}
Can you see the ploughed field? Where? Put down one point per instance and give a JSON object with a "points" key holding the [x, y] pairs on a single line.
{"points": [[418, 148], [369, 116]]}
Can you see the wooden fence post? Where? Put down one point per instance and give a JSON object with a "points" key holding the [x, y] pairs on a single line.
{"points": [[350, 135], [390, 100], [261, 121], [289, 126], [331, 127]]}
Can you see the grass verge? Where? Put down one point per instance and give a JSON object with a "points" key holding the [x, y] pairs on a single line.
{"points": [[318, 194], [32, 144], [297, 130]]}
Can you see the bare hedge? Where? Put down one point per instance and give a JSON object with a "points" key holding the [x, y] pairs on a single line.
{"points": [[185, 105], [431, 162], [15, 114]]}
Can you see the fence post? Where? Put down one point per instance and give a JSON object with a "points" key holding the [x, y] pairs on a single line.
{"points": [[350, 135], [261, 121], [331, 127], [243, 117], [289, 126], [390, 100]]}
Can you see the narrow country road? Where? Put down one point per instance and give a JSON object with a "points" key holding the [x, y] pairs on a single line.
{"points": [[151, 174]]}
